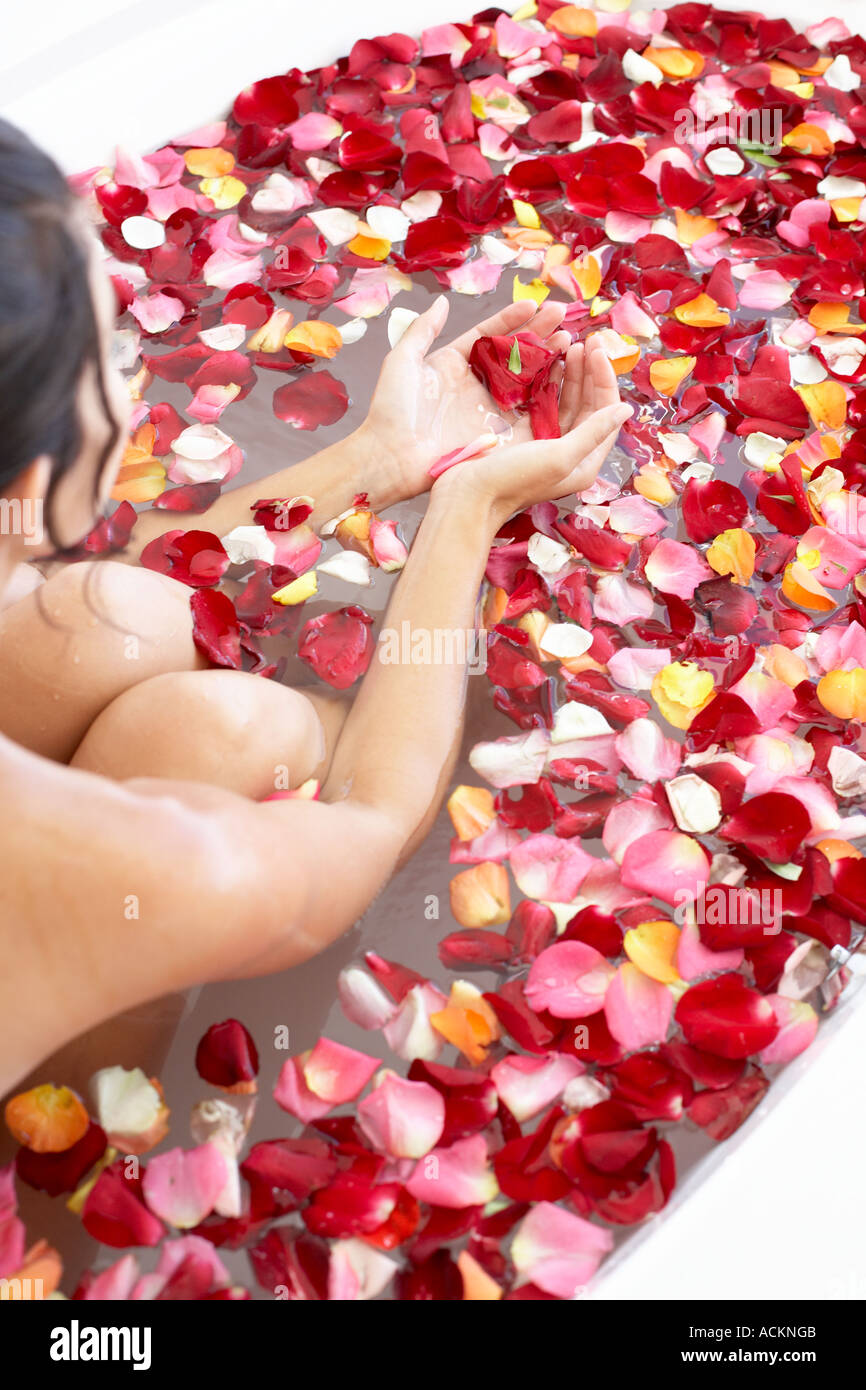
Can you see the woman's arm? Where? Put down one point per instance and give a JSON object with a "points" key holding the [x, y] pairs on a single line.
{"points": [[333, 478], [424, 405]]}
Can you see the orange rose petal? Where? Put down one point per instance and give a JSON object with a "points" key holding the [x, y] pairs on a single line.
{"points": [[809, 139], [495, 604], [141, 482], [478, 1287], [799, 586], [467, 1021], [528, 238], [209, 164], [353, 533], [843, 693], [692, 227], [372, 247], [783, 75], [784, 665], [677, 64], [48, 1119], [701, 312], [653, 483], [623, 365], [587, 272], [315, 336], [838, 849], [826, 402], [668, 373], [463, 1029], [573, 21], [480, 896], [37, 1278], [471, 810]]}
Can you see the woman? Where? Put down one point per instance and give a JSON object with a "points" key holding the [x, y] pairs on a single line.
{"points": [[136, 853]]}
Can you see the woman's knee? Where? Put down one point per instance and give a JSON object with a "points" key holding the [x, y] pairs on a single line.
{"points": [[89, 633], [225, 728]]}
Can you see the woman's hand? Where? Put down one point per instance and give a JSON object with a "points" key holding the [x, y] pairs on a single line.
{"points": [[428, 403], [518, 474]]}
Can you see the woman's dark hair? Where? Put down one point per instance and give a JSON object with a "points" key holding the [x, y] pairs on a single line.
{"points": [[48, 327]]}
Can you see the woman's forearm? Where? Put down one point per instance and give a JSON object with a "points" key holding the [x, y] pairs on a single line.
{"points": [[333, 478], [398, 741]]}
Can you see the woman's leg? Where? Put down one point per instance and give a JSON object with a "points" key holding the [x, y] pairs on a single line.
{"points": [[227, 728], [80, 640]]}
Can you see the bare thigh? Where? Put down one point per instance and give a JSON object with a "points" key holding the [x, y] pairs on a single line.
{"points": [[78, 641]]}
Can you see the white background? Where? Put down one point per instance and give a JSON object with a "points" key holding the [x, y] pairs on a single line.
{"points": [[780, 1211]]}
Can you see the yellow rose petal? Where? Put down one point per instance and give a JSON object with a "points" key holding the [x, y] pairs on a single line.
{"points": [[223, 193], [652, 947], [298, 591], [733, 552], [668, 373]]}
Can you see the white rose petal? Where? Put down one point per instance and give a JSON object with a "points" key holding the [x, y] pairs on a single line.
{"points": [[349, 565], [497, 251], [547, 555], [390, 223], [225, 337], [565, 640], [835, 187], [422, 205], [281, 194], [319, 168], [584, 1091], [725, 161], [144, 233], [841, 76], [398, 321], [353, 331], [843, 355], [337, 225], [696, 806], [126, 1102], [678, 447], [806, 370], [848, 771], [248, 233], [638, 69], [125, 347], [665, 226], [247, 543], [575, 720], [701, 470], [201, 442], [507, 762], [764, 449]]}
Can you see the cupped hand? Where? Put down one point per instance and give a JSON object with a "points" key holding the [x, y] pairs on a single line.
{"points": [[519, 473], [428, 403]]}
